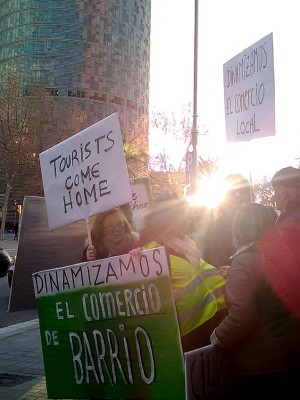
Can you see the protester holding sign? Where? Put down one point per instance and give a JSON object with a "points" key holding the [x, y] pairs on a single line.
{"points": [[100, 321], [100, 324], [112, 235], [261, 331], [197, 286]]}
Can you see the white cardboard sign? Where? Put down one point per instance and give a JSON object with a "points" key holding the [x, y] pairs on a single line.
{"points": [[85, 174], [249, 92], [141, 200]]}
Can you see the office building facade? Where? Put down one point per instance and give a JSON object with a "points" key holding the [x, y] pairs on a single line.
{"points": [[92, 52]]}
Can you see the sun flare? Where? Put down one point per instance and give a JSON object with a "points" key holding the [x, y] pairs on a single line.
{"points": [[210, 193]]}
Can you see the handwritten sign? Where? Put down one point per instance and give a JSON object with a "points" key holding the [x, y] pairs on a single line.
{"points": [[85, 174], [209, 374], [141, 200], [249, 92], [66, 243], [101, 326]]}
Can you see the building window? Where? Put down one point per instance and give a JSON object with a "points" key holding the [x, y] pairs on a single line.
{"points": [[52, 91], [80, 94]]}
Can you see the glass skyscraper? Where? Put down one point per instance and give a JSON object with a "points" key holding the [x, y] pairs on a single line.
{"points": [[94, 52]]}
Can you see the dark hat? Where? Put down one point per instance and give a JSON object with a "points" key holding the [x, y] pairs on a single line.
{"points": [[287, 177], [236, 182], [165, 216]]}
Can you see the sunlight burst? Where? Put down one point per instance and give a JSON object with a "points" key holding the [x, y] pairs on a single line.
{"points": [[210, 193]]}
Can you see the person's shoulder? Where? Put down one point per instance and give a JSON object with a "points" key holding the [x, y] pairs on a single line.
{"points": [[292, 214], [222, 220], [218, 227], [245, 257], [245, 268]]}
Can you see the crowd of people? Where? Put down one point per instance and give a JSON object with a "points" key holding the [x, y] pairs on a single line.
{"points": [[239, 290]]}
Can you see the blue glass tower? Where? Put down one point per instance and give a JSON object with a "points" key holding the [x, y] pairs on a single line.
{"points": [[95, 53]]}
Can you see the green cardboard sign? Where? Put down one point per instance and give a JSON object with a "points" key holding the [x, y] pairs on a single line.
{"points": [[109, 329]]}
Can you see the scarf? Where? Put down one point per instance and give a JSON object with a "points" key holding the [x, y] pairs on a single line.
{"points": [[185, 246]]}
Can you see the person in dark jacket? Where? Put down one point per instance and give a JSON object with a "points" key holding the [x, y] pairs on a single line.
{"points": [[16, 231], [262, 332], [286, 186], [218, 247]]}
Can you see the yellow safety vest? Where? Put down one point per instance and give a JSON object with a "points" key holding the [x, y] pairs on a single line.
{"points": [[198, 291]]}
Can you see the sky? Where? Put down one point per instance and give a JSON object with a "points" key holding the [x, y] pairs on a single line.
{"points": [[226, 28]]}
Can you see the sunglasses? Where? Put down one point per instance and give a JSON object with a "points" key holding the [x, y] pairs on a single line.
{"points": [[118, 226]]}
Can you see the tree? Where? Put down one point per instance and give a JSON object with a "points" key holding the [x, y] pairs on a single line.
{"points": [[168, 175], [135, 147], [65, 118], [167, 184], [207, 166], [163, 182], [30, 122], [22, 116], [173, 138], [262, 195]]}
